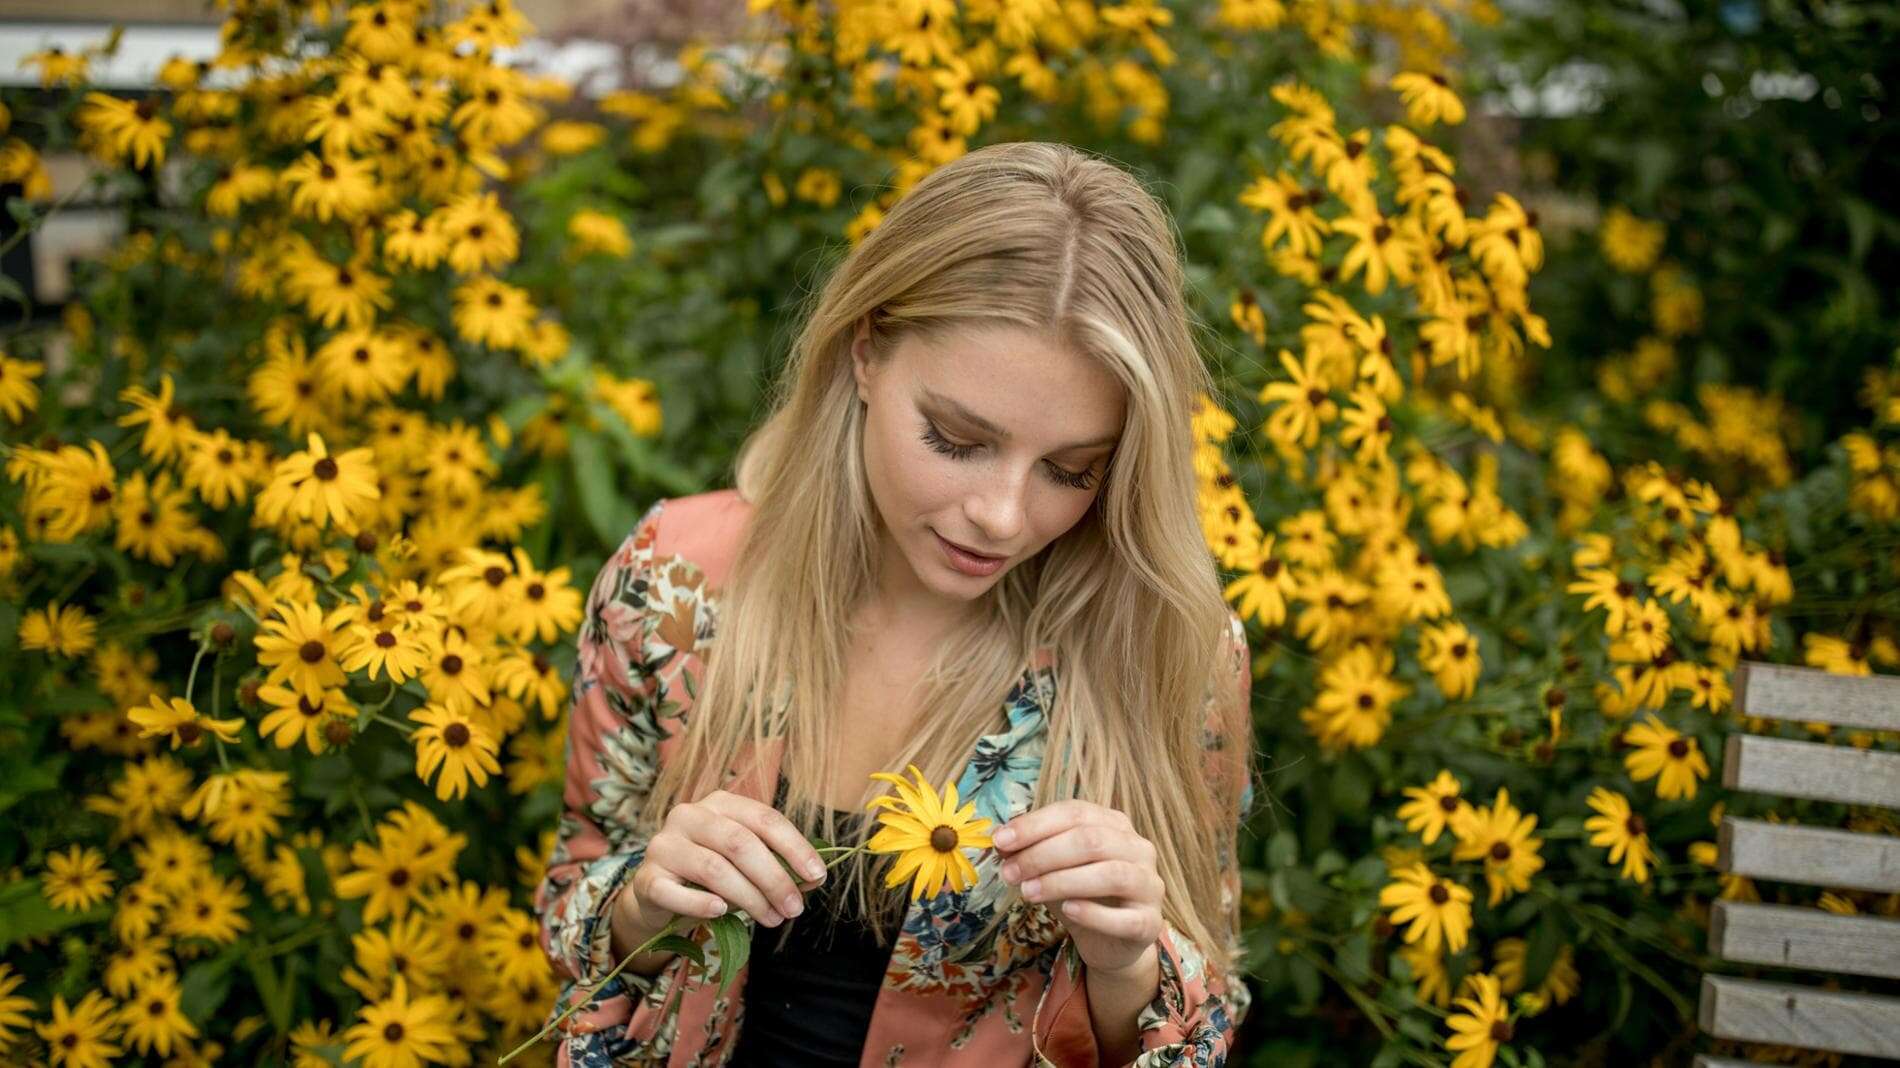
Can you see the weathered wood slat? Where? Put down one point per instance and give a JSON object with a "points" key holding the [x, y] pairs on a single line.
{"points": [[1811, 695], [1789, 936], [1815, 856], [1804, 1016], [1812, 770], [1706, 1061]]}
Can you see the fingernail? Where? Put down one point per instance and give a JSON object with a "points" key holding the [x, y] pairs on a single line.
{"points": [[1032, 888], [1011, 871], [815, 868], [1004, 837], [791, 906], [771, 919]]}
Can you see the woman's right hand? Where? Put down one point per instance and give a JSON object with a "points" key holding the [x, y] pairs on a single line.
{"points": [[718, 852]]}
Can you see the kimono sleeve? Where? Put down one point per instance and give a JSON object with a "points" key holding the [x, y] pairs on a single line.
{"points": [[1201, 1000], [612, 760]]}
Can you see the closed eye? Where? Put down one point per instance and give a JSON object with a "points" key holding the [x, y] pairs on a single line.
{"points": [[1057, 473]]}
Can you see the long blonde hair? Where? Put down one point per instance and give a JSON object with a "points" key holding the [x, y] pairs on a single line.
{"points": [[1041, 237]]}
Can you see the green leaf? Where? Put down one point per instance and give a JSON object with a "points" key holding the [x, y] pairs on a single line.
{"points": [[23, 776], [594, 479], [25, 913], [1540, 951], [205, 986], [1283, 850], [272, 990], [683, 946], [729, 935]]}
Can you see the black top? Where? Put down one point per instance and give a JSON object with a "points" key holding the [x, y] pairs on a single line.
{"points": [[810, 1003]]}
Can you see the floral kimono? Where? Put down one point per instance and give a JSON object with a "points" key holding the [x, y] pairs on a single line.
{"points": [[650, 617]]}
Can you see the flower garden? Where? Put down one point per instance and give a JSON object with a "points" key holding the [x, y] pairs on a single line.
{"points": [[1530, 431]]}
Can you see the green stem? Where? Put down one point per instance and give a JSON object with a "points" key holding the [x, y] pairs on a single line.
{"points": [[672, 927], [404, 729], [191, 681]]}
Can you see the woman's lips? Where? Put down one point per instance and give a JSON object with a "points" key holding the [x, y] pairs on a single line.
{"points": [[967, 562]]}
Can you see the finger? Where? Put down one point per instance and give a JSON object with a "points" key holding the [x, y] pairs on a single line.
{"points": [[1140, 924], [1121, 880], [1039, 823], [782, 836], [1076, 845], [713, 871], [670, 894], [742, 846]]}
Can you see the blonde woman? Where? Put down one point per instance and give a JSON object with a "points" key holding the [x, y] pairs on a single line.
{"points": [[965, 538]]}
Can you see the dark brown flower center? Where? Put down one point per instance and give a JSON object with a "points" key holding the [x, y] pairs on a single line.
{"points": [[311, 651], [1679, 748], [1501, 851], [943, 839], [1439, 894], [324, 469], [455, 734]]}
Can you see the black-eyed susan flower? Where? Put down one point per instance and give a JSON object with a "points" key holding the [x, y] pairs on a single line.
{"points": [[19, 395], [598, 232], [217, 467], [410, 948], [66, 630], [1622, 831], [1433, 806], [83, 1033], [481, 234], [300, 646], [58, 66], [180, 721], [449, 742], [13, 1007], [1263, 592], [403, 1032], [456, 670], [1659, 752], [1450, 652], [323, 189], [77, 879], [1303, 404], [491, 312], [1435, 911], [1481, 1024], [314, 485], [929, 833], [295, 717], [115, 129], [1500, 835], [153, 1022], [1428, 98], [546, 603], [1561, 980], [511, 947], [210, 907]]}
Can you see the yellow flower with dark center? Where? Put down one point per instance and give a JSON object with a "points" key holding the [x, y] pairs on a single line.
{"points": [[1622, 831], [1433, 806], [319, 722], [410, 947], [216, 467], [1429, 974], [18, 393], [1450, 653], [58, 66], [929, 833], [300, 646], [1436, 911], [178, 720], [63, 629], [210, 907], [349, 294], [461, 750], [364, 365], [456, 672], [482, 235], [1428, 99], [1661, 753], [1481, 1024], [413, 240], [1303, 404], [77, 879], [546, 604], [401, 1032], [340, 187], [1561, 981], [491, 312], [1500, 836], [115, 129], [318, 487], [511, 947], [81, 1036], [153, 1022]]}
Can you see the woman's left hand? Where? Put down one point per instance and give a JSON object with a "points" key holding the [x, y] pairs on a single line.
{"points": [[1087, 859]]}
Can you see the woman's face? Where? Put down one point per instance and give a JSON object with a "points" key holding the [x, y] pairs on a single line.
{"points": [[992, 440]]}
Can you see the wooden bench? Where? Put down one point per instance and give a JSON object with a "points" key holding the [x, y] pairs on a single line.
{"points": [[1782, 936]]}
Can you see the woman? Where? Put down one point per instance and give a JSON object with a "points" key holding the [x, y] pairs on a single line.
{"points": [[977, 551]]}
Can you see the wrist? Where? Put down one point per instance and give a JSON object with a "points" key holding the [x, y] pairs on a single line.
{"points": [[1142, 967]]}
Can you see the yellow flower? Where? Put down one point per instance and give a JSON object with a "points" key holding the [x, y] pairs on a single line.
{"points": [[63, 629], [179, 720], [18, 393], [300, 646], [81, 1037], [1438, 911], [315, 486], [1623, 831], [1305, 402], [1481, 1023], [401, 1032], [13, 1007], [153, 1022], [928, 832], [448, 742], [1433, 806], [1629, 243], [77, 879], [1500, 836], [1450, 653], [1657, 750], [597, 231], [1428, 99], [1561, 981]]}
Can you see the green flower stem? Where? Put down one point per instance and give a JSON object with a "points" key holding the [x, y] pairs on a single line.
{"points": [[401, 728], [191, 680]]}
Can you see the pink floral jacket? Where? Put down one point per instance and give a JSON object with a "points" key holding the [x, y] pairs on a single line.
{"points": [[650, 617]]}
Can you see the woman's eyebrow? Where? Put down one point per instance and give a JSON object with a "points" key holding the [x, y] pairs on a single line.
{"points": [[957, 408]]}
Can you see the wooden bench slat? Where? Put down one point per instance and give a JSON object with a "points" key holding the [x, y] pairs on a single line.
{"points": [[1784, 1014], [1812, 695], [1790, 936], [1812, 770], [1814, 856]]}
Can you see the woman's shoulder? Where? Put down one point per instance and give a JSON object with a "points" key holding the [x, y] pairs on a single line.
{"points": [[704, 529]]}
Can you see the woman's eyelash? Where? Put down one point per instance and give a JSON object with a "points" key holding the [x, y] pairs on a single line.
{"points": [[960, 452]]}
